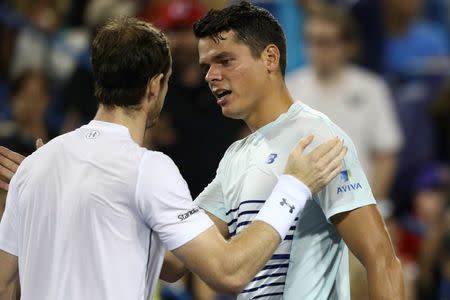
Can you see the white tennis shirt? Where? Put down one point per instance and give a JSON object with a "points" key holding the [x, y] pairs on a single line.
{"points": [[91, 213]]}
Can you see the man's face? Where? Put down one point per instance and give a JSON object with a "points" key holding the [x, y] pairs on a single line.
{"points": [[157, 105], [235, 77], [327, 51]]}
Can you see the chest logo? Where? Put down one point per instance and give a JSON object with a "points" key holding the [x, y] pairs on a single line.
{"points": [[271, 158], [291, 207]]}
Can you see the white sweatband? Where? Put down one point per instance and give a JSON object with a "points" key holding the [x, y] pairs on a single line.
{"points": [[288, 198]]}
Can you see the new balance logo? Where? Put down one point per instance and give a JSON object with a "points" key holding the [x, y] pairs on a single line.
{"points": [[271, 158], [291, 207]]}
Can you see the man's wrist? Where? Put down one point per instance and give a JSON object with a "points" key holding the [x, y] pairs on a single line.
{"points": [[287, 199]]}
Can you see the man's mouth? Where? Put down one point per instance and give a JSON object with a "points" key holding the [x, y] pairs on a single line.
{"points": [[221, 93]]}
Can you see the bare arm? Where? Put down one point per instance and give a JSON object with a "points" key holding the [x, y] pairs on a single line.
{"points": [[173, 269], [366, 235], [383, 173], [8, 274], [227, 266]]}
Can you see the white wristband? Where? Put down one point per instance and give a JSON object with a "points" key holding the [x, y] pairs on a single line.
{"points": [[288, 198]]}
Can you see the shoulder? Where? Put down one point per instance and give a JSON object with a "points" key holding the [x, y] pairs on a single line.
{"points": [[310, 121], [157, 163]]}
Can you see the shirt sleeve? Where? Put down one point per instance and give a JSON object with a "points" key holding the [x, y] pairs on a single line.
{"points": [[349, 189], [10, 222], [387, 135], [211, 198], [165, 204]]}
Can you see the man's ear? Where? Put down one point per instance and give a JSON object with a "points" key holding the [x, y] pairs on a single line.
{"points": [[154, 85], [271, 58]]}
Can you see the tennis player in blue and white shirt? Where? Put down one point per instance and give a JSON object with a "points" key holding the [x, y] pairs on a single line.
{"points": [[242, 51]]}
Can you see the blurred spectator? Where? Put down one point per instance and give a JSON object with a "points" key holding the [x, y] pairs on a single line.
{"points": [[42, 44], [415, 63], [368, 15], [29, 102], [429, 203], [355, 99]]}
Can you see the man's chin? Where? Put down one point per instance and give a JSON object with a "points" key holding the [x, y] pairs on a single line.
{"points": [[227, 112]]}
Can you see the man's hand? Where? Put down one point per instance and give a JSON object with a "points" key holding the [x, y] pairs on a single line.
{"points": [[320, 166], [9, 162]]}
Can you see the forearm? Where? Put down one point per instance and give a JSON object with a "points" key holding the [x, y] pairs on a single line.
{"points": [[385, 280], [248, 252], [8, 290], [172, 269], [383, 173]]}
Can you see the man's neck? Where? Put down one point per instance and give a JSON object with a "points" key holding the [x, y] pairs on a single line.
{"points": [[276, 102], [135, 121]]}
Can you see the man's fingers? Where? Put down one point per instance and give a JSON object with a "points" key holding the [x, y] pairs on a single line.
{"points": [[337, 162], [324, 148], [39, 143], [8, 164], [338, 158], [15, 157], [6, 173], [334, 152], [4, 185], [334, 172], [303, 143]]}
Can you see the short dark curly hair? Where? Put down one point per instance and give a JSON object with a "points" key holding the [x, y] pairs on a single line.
{"points": [[126, 53], [253, 26]]}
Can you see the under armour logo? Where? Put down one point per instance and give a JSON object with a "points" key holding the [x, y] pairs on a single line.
{"points": [[291, 207], [92, 134]]}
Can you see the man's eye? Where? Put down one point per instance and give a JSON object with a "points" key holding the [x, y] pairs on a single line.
{"points": [[225, 62]]}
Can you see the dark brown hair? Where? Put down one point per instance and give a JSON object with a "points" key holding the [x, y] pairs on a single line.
{"points": [[126, 54], [253, 26]]}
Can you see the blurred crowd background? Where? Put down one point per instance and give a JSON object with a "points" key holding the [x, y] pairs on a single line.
{"points": [[379, 68]]}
